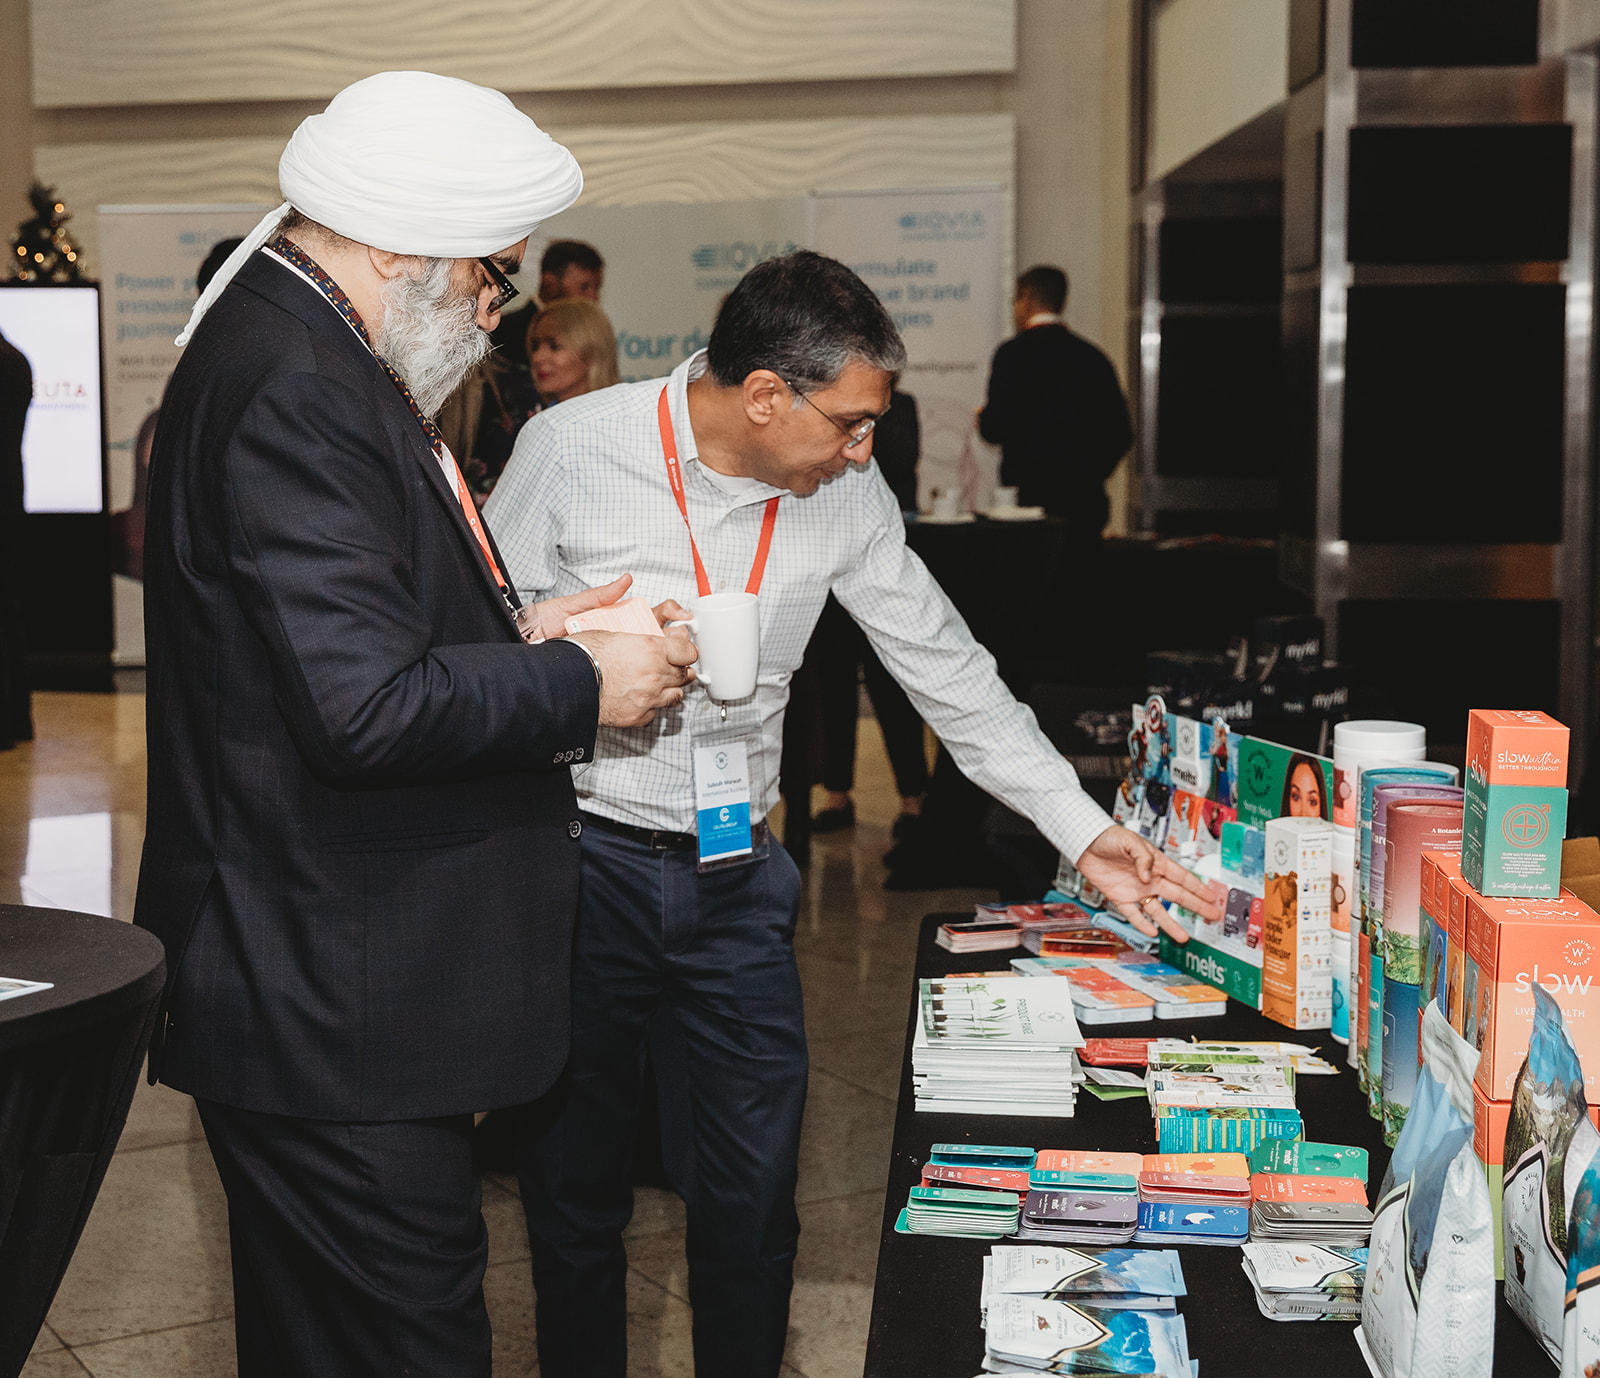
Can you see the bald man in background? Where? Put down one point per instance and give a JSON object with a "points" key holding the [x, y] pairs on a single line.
{"points": [[362, 849]]}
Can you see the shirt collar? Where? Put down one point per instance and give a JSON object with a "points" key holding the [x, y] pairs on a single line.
{"points": [[1042, 318], [691, 368]]}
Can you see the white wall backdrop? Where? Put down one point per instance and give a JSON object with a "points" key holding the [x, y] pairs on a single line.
{"points": [[622, 164], [126, 52]]}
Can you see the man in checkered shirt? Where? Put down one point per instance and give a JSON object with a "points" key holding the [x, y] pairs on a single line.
{"points": [[698, 964]]}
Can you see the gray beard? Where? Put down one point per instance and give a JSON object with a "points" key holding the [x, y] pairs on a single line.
{"points": [[430, 338]]}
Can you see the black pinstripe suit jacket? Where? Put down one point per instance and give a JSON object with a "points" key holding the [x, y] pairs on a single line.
{"points": [[361, 850]]}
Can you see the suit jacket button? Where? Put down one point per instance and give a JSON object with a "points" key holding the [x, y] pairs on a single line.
{"points": [[574, 828]]}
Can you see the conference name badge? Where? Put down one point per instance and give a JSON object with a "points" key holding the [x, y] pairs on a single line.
{"points": [[722, 801]]}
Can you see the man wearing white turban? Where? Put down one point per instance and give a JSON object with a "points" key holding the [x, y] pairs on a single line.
{"points": [[362, 847]]}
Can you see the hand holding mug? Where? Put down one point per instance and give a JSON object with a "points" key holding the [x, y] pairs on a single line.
{"points": [[727, 629], [640, 675]]}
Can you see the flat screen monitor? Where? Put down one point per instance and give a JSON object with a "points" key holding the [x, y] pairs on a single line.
{"points": [[58, 331]]}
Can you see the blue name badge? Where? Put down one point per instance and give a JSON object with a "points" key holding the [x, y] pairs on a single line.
{"points": [[722, 801]]}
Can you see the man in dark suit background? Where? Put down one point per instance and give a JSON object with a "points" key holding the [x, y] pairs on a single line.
{"points": [[362, 846], [1055, 409]]}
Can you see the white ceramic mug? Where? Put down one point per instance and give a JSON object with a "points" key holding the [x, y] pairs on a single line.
{"points": [[1004, 499], [726, 628], [946, 503]]}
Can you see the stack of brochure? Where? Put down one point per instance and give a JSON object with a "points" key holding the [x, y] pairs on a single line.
{"points": [[1034, 1334], [1210, 1098], [996, 1047], [1306, 1282], [1195, 1179], [1113, 1279], [1169, 1223]]}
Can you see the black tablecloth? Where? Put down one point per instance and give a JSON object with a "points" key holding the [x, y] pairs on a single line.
{"points": [[69, 1062], [925, 1305]]}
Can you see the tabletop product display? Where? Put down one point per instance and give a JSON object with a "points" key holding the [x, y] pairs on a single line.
{"points": [[70, 1059], [924, 1311]]}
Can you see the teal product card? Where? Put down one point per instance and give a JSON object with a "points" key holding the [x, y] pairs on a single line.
{"points": [[1511, 839], [1280, 782], [1301, 1159], [983, 1155], [1105, 1183]]}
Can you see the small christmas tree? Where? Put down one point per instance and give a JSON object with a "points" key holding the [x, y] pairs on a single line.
{"points": [[41, 251]]}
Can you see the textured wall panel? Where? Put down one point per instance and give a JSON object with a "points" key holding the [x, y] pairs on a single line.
{"points": [[621, 164], [126, 52]]}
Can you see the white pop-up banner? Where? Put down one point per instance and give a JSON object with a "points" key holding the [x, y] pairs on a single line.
{"points": [[938, 260], [669, 265], [148, 259]]}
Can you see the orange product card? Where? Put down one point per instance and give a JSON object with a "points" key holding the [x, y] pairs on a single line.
{"points": [[1205, 1164], [630, 615], [1283, 1186], [1193, 1184], [1076, 1160]]}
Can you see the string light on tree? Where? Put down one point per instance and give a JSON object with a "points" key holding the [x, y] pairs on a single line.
{"points": [[42, 252]]}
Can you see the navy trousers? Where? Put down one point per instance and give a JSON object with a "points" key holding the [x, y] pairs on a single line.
{"points": [[700, 969], [358, 1249]]}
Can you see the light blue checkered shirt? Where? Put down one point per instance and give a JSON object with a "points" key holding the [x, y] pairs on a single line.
{"points": [[585, 498]]}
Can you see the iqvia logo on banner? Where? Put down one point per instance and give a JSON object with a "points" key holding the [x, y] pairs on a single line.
{"points": [[738, 256], [937, 224]]}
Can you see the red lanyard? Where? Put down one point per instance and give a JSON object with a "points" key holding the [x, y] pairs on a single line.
{"points": [[469, 509], [669, 449]]}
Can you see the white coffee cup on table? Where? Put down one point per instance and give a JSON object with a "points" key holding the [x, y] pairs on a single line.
{"points": [[1004, 499], [726, 628], [946, 503]]}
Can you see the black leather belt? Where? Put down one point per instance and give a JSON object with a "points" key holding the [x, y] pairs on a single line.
{"points": [[659, 839]]}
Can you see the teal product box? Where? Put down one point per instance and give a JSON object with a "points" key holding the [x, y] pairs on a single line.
{"points": [[1280, 782], [1516, 804]]}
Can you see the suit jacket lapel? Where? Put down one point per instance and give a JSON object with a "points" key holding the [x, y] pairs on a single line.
{"points": [[287, 289]]}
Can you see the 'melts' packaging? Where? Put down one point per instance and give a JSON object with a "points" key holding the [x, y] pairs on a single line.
{"points": [[1516, 803], [1515, 944], [1297, 930]]}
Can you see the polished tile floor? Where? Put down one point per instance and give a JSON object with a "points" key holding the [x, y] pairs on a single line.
{"points": [[148, 1294]]}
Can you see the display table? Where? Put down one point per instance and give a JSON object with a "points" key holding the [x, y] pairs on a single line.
{"points": [[925, 1320], [70, 1059]]}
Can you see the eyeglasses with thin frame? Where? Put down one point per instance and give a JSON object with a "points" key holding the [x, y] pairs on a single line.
{"points": [[505, 290], [853, 436]]}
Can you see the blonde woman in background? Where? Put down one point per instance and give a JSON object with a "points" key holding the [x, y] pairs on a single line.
{"points": [[572, 350]]}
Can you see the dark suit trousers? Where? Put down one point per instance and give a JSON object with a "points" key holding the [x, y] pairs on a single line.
{"points": [[358, 1249], [701, 968]]}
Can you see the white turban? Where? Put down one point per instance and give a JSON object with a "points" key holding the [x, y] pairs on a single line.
{"points": [[415, 163]]}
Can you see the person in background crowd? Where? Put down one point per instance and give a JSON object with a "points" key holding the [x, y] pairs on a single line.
{"points": [[573, 350], [1056, 410], [846, 660], [16, 700], [483, 417], [570, 268], [749, 467], [361, 853]]}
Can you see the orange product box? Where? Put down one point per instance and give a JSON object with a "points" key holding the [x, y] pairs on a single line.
{"points": [[1455, 958], [1204, 1164], [1076, 1160], [1489, 1120], [1284, 1186], [1517, 944]]}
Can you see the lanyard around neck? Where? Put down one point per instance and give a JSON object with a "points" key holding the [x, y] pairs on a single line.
{"points": [[669, 450], [291, 252]]}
